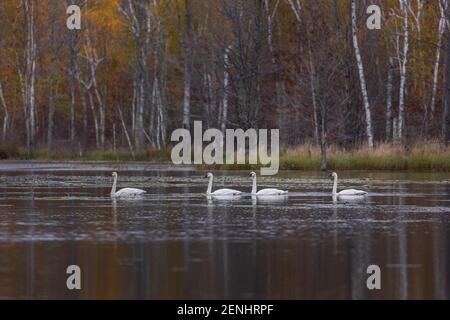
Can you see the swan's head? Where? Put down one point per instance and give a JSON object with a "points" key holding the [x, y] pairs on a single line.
{"points": [[333, 175], [114, 174], [209, 175], [252, 174]]}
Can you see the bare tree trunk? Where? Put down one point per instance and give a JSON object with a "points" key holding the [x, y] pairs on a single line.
{"points": [[73, 71], [348, 127], [85, 134], [446, 98], [94, 117], [323, 139], [102, 108], [114, 137], [313, 83], [100, 129], [271, 13], [296, 9], [27, 74], [226, 82], [207, 92], [72, 107], [51, 105], [389, 87], [318, 139], [403, 62], [83, 88], [442, 7], [5, 116], [139, 134], [369, 131], [125, 131], [157, 125], [133, 109], [32, 74], [154, 127], [140, 25], [187, 47]]}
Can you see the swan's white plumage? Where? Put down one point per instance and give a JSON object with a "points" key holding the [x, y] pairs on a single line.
{"points": [[270, 192], [265, 192], [219, 192], [347, 192], [352, 192], [126, 192], [226, 192]]}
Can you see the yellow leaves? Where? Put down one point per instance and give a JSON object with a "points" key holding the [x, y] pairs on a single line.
{"points": [[104, 15]]}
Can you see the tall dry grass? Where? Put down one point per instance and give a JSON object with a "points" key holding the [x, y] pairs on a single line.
{"points": [[420, 157]]}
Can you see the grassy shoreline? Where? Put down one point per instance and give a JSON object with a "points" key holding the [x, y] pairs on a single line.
{"points": [[421, 157]]}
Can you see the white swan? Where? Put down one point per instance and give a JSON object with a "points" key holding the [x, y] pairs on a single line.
{"points": [[345, 193], [123, 193], [220, 192], [265, 192]]}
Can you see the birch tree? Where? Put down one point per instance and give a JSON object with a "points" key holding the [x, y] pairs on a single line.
{"points": [[27, 72], [5, 115], [74, 66], [226, 83], [446, 89], [158, 120], [389, 89], [186, 41], [442, 22], [52, 97], [362, 79], [404, 4], [138, 15]]}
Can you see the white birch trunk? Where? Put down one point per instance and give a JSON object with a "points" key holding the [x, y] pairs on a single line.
{"points": [[442, 6], [296, 8], [140, 26], [94, 116], [403, 63], [155, 104], [446, 90], [27, 74], [125, 131], [369, 131], [5, 116]]}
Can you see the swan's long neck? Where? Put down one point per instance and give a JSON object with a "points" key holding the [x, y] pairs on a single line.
{"points": [[254, 189], [335, 198], [335, 185], [113, 190], [209, 190]]}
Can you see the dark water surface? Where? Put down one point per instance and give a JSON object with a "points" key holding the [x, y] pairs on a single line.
{"points": [[176, 244]]}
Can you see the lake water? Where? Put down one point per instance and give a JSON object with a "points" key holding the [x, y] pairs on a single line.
{"points": [[174, 243]]}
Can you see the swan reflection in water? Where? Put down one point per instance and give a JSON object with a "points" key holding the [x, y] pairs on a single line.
{"points": [[281, 198], [349, 199], [218, 198]]}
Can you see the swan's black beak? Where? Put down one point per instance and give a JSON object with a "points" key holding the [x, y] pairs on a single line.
{"points": [[206, 175]]}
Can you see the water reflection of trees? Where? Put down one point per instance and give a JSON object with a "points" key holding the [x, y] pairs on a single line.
{"points": [[326, 259]]}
